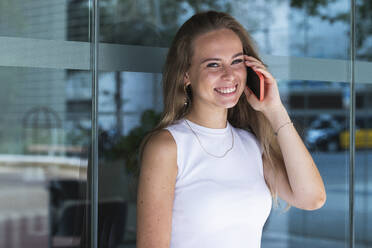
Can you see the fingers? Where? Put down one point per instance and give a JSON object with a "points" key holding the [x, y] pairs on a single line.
{"points": [[253, 62], [263, 71], [251, 58], [257, 65], [251, 98], [247, 91]]}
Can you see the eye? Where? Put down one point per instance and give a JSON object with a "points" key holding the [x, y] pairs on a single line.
{"points": [[237, 61], [212, 65]]}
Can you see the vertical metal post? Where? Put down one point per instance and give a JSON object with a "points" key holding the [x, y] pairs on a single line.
{"points": [[94, 138], [352, 126]]}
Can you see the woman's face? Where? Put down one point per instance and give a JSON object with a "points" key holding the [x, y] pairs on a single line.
{"points": [[217, 73]]}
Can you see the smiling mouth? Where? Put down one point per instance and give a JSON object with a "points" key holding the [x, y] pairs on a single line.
{"points": [[226, 90]]}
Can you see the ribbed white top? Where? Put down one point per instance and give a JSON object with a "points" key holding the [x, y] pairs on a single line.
{"points": [[219, 202]]}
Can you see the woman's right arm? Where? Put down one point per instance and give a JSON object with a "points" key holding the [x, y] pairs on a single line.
{"points": [[155, 193]]}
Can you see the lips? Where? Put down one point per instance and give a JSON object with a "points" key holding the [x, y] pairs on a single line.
{"points": [[226, 90]]}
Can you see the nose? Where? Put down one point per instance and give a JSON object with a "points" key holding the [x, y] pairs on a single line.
{"points": [[228, 73]]}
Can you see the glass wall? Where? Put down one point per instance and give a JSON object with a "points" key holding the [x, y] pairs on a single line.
{"points": [[363, 124], [45, 94], [298, 46], [46, 120]]}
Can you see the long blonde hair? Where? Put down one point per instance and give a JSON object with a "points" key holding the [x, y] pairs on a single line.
{"points": [[242, 115]]}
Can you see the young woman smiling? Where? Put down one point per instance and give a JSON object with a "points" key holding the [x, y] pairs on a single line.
{"points": [[211, 167]]}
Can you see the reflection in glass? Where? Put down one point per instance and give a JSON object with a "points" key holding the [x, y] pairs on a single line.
{"points": [[122, 125], [43, 157], [45, 128], [320, 117], [43, 19]]}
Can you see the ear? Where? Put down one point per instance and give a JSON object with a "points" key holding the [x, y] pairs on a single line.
{"points": [[186, 78]]}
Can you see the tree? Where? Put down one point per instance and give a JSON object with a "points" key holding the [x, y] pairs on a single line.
{"points": [[320, 8]]}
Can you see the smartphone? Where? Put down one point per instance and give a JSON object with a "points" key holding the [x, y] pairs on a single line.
{"points": [[255, 82]]}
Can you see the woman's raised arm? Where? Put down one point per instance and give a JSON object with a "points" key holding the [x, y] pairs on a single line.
{"points": [[300, 183]]}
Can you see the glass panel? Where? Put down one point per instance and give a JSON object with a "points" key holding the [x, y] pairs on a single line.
{"points": [[45, 127], [320, 117], [43, 155], [42, 19], [363, 135], [122, 125], [319, 109]]}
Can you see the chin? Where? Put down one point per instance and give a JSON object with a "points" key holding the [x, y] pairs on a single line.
{"points": [[230, 104]]}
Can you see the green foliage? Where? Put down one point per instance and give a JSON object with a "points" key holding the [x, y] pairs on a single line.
{"points": [[363, 20], [127, 147], [311, 7], [152, 24]]}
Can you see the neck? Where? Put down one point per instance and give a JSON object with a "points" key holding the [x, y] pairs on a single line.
{"points": [[210, 118]]}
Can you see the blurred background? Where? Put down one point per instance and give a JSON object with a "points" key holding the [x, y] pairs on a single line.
{"points": [[46, 82]]}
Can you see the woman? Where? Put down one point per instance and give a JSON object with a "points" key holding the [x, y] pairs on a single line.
{"points": [[218, 155]]}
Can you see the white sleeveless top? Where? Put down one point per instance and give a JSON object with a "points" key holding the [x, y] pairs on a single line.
{"points": [[218, 202]]}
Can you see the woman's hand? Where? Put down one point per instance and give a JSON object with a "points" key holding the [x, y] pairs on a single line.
{"points": [[271, 100]]}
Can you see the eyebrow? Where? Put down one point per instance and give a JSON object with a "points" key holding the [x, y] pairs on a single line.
{"points": [[208, 59]]}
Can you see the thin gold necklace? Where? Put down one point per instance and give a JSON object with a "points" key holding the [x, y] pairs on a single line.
{"points": [[216, 156]]}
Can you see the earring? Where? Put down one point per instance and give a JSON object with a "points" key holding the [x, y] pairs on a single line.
{"points": [[186, 99]]}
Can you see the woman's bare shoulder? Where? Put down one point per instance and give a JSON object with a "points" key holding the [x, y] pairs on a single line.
{"points": [[160, 149], [160, 141]]}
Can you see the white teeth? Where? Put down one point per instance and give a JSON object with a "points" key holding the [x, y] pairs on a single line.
{"points": [[227, 90]]}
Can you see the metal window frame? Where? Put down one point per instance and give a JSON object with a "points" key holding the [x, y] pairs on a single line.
{"points": [[95, 56], [94, 66], [74, 55], [352, 123]]}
